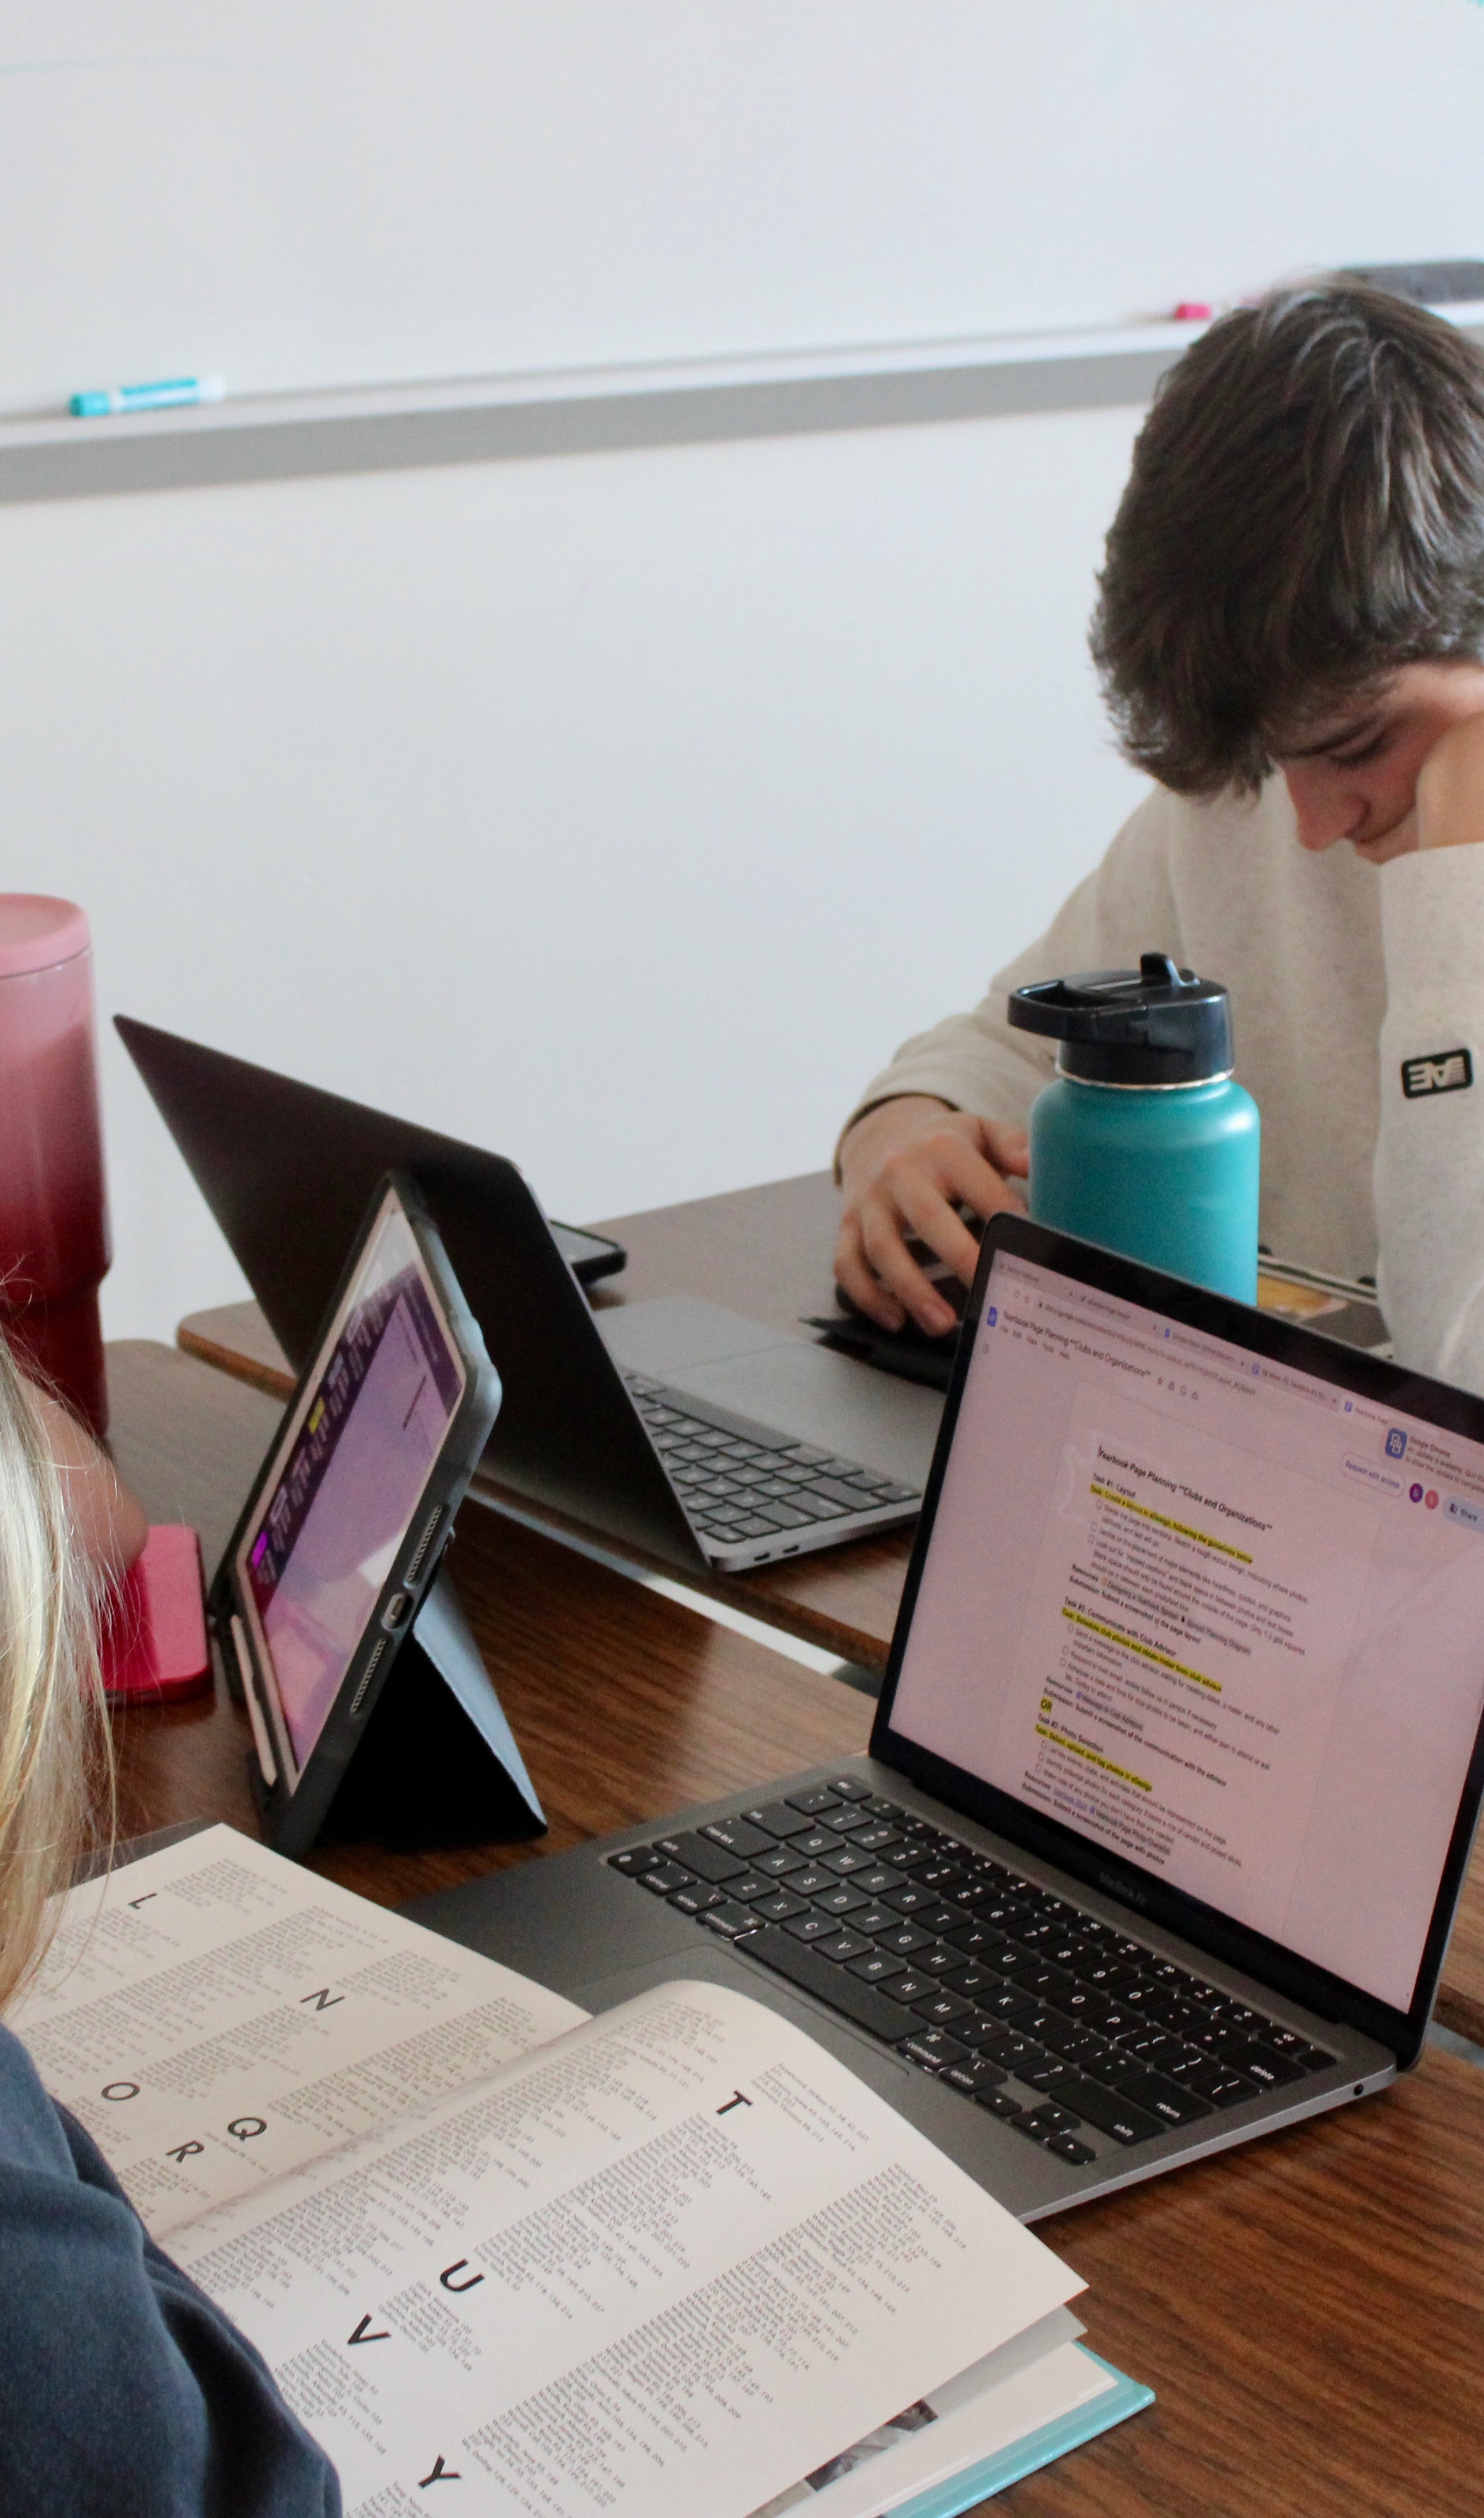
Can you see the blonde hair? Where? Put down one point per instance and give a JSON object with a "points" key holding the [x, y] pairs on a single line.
{"points": [[56, 1763]]}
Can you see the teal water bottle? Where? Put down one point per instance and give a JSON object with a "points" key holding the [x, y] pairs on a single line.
{"points": [[1146, 1142]]}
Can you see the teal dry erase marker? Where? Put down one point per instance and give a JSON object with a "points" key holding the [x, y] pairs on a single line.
{"points": [[120, 398]]}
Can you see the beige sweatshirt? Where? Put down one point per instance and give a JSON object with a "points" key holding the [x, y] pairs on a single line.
{"points": [[1340, 973]]}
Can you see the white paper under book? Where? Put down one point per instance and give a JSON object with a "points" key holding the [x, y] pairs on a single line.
{"points": [[672, 2260]]}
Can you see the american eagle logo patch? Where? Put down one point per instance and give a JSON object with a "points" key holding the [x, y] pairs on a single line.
{"points": [[1448, 1070]]}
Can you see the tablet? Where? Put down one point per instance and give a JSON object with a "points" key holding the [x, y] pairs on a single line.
{"points": [[351, 1510]]}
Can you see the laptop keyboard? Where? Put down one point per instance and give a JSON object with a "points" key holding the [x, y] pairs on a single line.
{"points": [[737, 1484], [1059, 2025]]}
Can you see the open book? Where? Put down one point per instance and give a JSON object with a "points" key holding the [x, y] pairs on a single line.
{"points": [[669, 2261]]}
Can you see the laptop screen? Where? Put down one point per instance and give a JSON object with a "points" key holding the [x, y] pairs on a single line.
{"points": [[1220, 1618], [351, 1471]]}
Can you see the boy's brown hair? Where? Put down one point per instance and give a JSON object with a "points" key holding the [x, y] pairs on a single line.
{"points": [[1305, 514]]}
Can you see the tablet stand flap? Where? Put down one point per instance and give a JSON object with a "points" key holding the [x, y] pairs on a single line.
{"points": [[448, 1638], [438, 1762]]}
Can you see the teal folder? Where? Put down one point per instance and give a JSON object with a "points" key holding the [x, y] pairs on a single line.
{"points": [[1037, 2449]]}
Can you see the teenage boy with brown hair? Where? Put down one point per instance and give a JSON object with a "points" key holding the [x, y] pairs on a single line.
{"points": [[1290, 632]]}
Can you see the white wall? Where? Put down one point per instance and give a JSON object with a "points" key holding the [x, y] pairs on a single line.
{"points": [[622, 811], [617, 813], [318, 192]]}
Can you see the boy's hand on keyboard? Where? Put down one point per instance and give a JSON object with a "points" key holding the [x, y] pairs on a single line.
{"points": [[904, 1170]]}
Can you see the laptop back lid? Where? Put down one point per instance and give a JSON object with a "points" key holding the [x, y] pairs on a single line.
{"points": [[1197, 1612], [289, 1172]]}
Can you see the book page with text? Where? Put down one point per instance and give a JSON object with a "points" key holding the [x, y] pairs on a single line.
{"points": [[215, 2015], [667, 2265]]}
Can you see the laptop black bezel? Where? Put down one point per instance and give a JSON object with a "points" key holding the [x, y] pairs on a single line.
{"points": [[1204, 1927]]}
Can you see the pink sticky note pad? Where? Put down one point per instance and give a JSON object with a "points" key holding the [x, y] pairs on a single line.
{"points": [[153, 1642]]}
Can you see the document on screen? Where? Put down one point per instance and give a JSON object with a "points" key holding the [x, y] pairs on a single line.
{"points": [[1212, 1613], [1187, 1631]]}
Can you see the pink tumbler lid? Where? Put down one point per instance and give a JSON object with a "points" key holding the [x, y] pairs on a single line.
{"points": [[36, 931]]}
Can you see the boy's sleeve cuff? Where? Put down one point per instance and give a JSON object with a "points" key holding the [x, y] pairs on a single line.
{"points": [[873, 1101]]}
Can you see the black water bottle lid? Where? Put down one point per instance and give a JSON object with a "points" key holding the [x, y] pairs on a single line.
{"points": [[1158, 1025]]}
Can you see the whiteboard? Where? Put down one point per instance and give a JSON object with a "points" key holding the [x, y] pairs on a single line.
{"points": [[303, 194]]}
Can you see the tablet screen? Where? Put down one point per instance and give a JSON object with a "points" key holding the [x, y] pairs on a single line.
{"points": [[352, 1469]]}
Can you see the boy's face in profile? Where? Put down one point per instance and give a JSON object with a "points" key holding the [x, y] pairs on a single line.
{"points": [[1353, 775]]}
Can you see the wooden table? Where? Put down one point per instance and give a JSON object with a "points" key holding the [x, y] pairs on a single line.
{"points": [[767, 1251], [764, 1251], [1310, 2310], [670, 1708]]}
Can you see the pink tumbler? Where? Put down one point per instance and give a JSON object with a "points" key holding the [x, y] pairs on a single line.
{"points": [[53, 1228]]}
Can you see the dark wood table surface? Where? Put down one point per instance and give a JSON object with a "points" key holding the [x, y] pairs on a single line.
{"points": [[764, 1251], [1310, 2310], [767, 1251]]}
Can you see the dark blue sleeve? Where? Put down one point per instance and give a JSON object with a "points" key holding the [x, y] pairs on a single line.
{"points": [[124, 2393]]}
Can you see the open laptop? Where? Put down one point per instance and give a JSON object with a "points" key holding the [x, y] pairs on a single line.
{"points": [[675, 1426], [1175, 1775]]}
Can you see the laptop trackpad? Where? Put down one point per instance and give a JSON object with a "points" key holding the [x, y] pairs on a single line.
{"points": [[783, 1381]]}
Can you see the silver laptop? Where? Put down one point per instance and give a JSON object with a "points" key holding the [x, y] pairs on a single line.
{"points": [[675, 1426], [1175, 1776]]}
